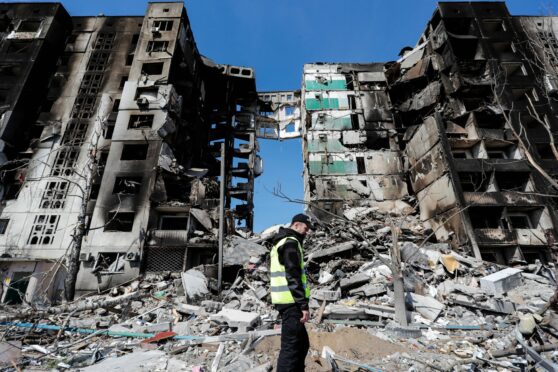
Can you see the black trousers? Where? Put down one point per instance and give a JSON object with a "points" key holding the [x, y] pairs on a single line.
{"points": [[294, 341]]}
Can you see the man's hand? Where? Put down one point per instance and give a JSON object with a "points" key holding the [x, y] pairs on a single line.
{"points": [[305, 316]]}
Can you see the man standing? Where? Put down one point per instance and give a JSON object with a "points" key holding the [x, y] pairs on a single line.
{"points": [[290, 293]]}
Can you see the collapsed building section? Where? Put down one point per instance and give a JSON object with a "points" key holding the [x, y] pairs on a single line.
{"points": [[115, 146], [350, 148], [465, 121]]}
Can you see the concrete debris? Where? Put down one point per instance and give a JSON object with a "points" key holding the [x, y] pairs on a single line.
{"points": [[194, 283], [501, 281]]}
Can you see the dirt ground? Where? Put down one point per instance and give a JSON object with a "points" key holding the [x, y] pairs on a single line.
{"points": [[351, 343]]}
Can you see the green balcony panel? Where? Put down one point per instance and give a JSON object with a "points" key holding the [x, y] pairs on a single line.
{"points": [[322, 104], [335, 167], [329, 85], [330, 123]]}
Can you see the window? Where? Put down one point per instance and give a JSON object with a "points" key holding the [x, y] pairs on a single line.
{"points": [[129, 59], [361, 166], [123, 81], [157, 46], [108, 130], [54, 195], [64, 163], [519, 221], [19, 46], [29, 26], [116, 105], [43, 230], [122, 221], [140, 121], [134, 152], [127, 185], [104, 41], [173, 223], [474, 182], [109, 263], [163, 25], [155, 68], [4, 225], [135, 39]]}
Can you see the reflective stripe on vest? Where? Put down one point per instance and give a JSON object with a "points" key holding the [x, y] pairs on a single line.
{"points": [[280, 292]]}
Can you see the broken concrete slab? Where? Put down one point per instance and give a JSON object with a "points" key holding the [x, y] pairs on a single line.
{"points": [[238, 251], [368, 290], [428, 307], [326, 295], [242, 320], [502, 281], [331, 251], [357, 279], [194, 283]]}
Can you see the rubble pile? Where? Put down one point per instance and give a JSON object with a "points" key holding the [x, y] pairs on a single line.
{"points": [[460, 313]]}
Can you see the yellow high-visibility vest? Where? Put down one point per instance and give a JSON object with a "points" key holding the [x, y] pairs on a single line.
{"points": [[280, 293]]}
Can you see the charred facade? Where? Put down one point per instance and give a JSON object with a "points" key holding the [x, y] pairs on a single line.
{"points": [[465, 121], [112, 129]]}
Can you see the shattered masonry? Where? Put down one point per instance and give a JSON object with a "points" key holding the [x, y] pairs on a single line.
{"points": [[465, 122], [113, 125]]}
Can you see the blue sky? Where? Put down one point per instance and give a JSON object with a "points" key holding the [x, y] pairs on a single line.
{"points": [[278, 37]]}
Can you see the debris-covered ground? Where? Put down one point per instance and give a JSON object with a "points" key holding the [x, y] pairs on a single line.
{"points": [[462, 313]]}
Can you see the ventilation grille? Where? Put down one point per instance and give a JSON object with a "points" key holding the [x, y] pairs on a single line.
{"points": [[164, 259]]}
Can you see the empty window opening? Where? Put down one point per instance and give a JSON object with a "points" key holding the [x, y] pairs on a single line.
{"points": [[465, 48], [121, 221], [11, 190], [17, 288], [361, 166], [486, 217], [157, 46], [493, 26], [474, 181], [43, 229], [489, 121], [496, 154], [108, 130], [519, 221], [503, 48], [531, 254], [173, 223], [19, 46], [545, 151], [129, 59], [29, 25], [472, 104], [127, 185], [135, 39], [134, 152], [290, 128], [116, 105], [4, 225], [374, 142], [146, 95], [94, 193], [511, 181], [152, 68], [160, 26], [459, 26], [354, 122], [140, 121], [123, 81], [461, 154], [107, 263], [352, 102], [54, 195], [514, 69]]}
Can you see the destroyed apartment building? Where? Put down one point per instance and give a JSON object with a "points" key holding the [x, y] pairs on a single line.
{"points": [[465, 122], [115, 135]]}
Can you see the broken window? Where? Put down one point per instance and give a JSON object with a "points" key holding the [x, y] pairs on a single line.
{"points": [[492, 26], [152, 68], [545, 151], [19, 46], [486, 217], [467, 49], [157, 46], [116, 105], [514, 69], [144, 95], [17, 288], [104, 41], [159, 26], [4, 225], [140, 121], [375, 142], [134, 152], [461, 154], [64, 163], [459, 26], [129, 59], [54, 195], [503, 48], [474, 181], [511, 181], [43, 229], [29, 25], [173, 222], [361, 166], [121, 221], [109, 263], [108, 129], [123, 81], [519, 220], [127, 185]]}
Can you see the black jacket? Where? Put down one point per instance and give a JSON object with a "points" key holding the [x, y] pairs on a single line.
{"points": [[289, 256]]}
